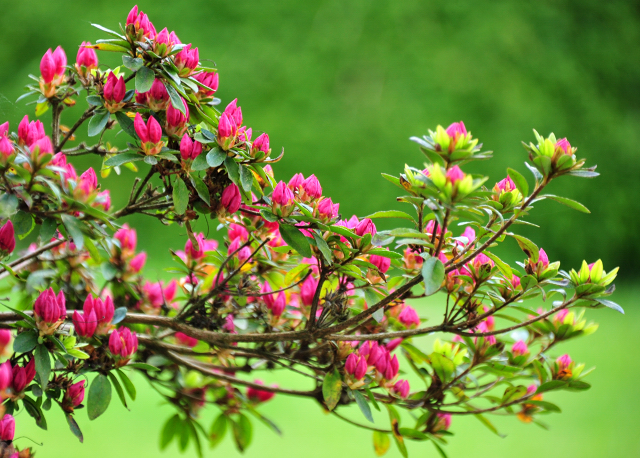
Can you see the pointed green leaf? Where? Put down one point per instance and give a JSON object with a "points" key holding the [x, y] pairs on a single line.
{"points": [[180, 196], [332, 389], [295, 239], [433, 275]]}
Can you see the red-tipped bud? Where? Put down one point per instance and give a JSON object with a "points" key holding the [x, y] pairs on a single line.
{"points": [[365, 226], [351, 363], [361, 368], [7, 239], [140, 128], [75, 394], [123, 342], [520, 348], [312, 187], [401, 388], [456, 129], [454, 174], [231, 198], [6, 375], [258, 395], [282, 195], [127, 238], [50, 308], [381, 262], [409, 317], [564, 145], [154, 129], [210, 80], [186, 340], [260, 144], [132, 16], [279, 304], [86, 58], [47, 67]]}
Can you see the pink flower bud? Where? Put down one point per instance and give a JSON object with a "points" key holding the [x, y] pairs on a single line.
{"points": [[282, 195], [226, 128], [140, 128], [50, 308], [210, 80], [351, 364], [176, 121], [23, 376], [138, 262], [327, 209], [308, 290], [361, 368], [564, 144], [84, 324], [563, 362], [234, 112], [296, 181], [127, 238], [75, 393], [7, 239], [190, 250], [392, 368], [132, 16], [454, 174], [444, 421], [279, 304], [543, 258], [186, 60], [393, 344], [257, 395], [5, 338], [6, 149], [60, 60], [23, 130], [531, 389], [123, 342], [6, 375], [47, 67], [7, 428], [365, 226], [312, 187], [409, 317], [186, 146], [401, 388], [520, 348], [261, 144], [456, 129], [4, 129], [515, 281], [154, 129], [88, 182], [231, 198], [381, 262], [505, 185], [186, 340], [86, 58], [229, 325], [103, 311]]}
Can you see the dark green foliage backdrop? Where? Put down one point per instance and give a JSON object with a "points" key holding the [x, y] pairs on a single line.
{"points": [[341, 85]]}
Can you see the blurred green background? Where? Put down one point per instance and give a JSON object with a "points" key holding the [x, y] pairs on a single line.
{"points": [[342, 85]]}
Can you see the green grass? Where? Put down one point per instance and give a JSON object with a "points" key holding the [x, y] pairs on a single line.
{"points": [[600, 422]]}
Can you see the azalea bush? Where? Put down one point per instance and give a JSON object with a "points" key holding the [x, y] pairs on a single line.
{"points": [[273, 279]]}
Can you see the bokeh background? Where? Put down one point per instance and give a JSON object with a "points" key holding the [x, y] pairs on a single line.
{"points": [[341, 85]]}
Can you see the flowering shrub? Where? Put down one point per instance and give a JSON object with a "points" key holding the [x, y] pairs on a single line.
{"points": [[294, 286]]}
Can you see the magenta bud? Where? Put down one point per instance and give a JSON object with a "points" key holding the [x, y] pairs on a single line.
{"points": [[563, 362], [6, 375], [351, 364], [186, 340], [7, 239], [564, 144], [7, 428], [505, 185], [381, 262], [312, 187], [138, 261], [86, 58], [119, 90], [47, 67], [140, 128], [127, 238], [308, 290], [132, 16], [225, 128], [361, 368], [456, 129], [409, 317], [75, 393], [282, 195], [296, 181], [154, 129], [279, 304], [186, 146], [84, 324], [123, 342], [88, 182], [543, 258], [190, 250], [261, 144], [258, 395], [401, 388], [327, 209], [366, 226], [444, 421], [231, 198], [520, 348], [454, 174], [393, 344], [210, 80], [50, 308]]}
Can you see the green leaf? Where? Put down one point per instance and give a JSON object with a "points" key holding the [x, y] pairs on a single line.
{"points": [[218, 430], [246, 178], [381, 442], [294, 273], [512, 393], [110, 32], [43, 365], [180, 196], [144, 79], [128, 384], [391, 214], [98, 122], [119, 314], [215, 157], [151, 160], [548, 406], [295, 239], [443, 366], [95, 100], [233, 170], [520, 181], [568, 202], [526, 245], [502, 266], [143, 367], [119, 390], [126, 124], [75, 429], [171, 427], [332, 389], [33, 409], [132, 63], [73, 226], [488, 424], [433, 275], [123, 158], [99, 396], [22, 223], [611, 305], [364, 405], [25, 341], [200, 163], [175, 98], [201, 189], [242, 432], [323, 247]]}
